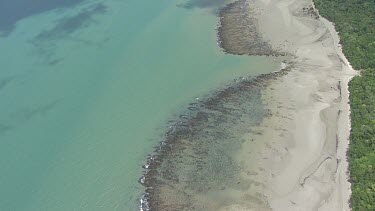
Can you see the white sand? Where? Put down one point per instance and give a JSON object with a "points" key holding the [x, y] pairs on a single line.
{"points": [[302, 163]]}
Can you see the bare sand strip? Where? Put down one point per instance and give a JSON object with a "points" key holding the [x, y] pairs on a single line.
{"points": [[302, 162]]}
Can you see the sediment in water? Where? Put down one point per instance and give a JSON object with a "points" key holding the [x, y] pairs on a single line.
{"points": [[194, 167]]}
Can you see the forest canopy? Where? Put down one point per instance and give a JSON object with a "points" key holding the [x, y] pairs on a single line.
{"points": [[355, 22]]}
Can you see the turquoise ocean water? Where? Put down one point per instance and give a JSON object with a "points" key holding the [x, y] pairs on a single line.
{"points": [[86, 90]]}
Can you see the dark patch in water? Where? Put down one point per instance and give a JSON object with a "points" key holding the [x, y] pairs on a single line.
{"points": [[29, 113], [12, 11], [4, 128], [196, 159], [5, 82], [5, 33], [55, 61], [204, 4], [45, 41], [69, 25]]}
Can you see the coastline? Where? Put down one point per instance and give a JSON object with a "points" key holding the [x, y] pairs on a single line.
{"points": [[303, 164], [344, 122], [292, 158]]}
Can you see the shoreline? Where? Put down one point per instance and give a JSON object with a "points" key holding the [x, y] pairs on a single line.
{"points": [[306, 139], [344, 122], [295, 157]]}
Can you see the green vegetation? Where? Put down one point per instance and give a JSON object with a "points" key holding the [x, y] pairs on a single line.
{"points": [[355, 22], [362, 147]]}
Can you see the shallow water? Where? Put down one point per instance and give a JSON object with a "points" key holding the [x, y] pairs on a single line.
{"points": [[86, 90], [197, 166]]}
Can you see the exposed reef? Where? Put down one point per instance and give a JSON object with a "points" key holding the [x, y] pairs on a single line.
{"points": [[238, 32], [194, 165]]}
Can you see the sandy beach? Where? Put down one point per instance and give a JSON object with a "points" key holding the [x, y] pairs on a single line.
{"points": [[274, 142], [301, 164]]}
